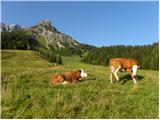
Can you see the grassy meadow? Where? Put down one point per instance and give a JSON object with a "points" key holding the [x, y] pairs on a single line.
{"points": [[26, 93]]}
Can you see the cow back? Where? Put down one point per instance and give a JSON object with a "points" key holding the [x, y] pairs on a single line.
{"points": [[69, 76], [122, 62]]}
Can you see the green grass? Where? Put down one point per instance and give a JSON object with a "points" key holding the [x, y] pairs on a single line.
{"points": [[26, 93]]}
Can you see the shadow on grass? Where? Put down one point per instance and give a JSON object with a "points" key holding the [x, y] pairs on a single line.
{"points": [[88, 78], [126, 78]]}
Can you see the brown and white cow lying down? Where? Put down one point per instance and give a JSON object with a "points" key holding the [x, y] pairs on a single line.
{"points": [[123, 64], [68, 77]]}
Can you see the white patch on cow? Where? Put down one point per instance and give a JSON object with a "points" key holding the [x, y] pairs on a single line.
{"points": [[134, 70], [115, 74], [112, 68], [83, 74], [65, 82], [111, 77]]}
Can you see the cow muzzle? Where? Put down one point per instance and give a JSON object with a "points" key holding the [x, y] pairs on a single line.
{"points": [[133, 75]]}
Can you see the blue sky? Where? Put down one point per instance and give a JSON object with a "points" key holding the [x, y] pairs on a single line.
{"points": [[97, 23]]}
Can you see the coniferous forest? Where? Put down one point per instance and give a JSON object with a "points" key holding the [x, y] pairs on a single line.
{"points": [[20, 40], [147, 56]]}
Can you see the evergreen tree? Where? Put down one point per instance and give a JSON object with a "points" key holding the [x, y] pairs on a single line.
{"points": [[60, 60], [55, 59], [147, 56]]}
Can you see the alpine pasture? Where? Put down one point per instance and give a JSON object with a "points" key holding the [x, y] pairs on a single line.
{"points": [[26, 93]]}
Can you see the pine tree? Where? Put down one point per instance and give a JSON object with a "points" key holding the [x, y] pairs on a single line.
{"points": [[60, 60], [54, 59]]}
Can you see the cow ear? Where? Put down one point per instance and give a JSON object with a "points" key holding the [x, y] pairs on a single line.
{"points": [[82, 70]]}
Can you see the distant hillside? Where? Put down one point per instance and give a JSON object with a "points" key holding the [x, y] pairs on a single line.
{"points": [[46, 35], [18, 40], [51, 44], [147, 55], [42, 37], [46, 30]]}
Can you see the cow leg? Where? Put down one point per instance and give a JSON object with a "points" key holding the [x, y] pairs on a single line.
{"points": [[111, 77], [65, 82], [75, 81], [111, 72], [134, 81], [115, 73], [116, 76]]}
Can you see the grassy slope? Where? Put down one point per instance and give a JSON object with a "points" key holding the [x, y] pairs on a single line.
{"points": [[26, 93]]}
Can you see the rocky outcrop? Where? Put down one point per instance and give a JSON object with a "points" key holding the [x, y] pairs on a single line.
{"points": [[10, 28], [53, 36], [46, 30]]}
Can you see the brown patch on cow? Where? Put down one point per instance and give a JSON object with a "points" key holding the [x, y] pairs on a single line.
{"points": [[56, 79], [124, 63], [70, 77]]}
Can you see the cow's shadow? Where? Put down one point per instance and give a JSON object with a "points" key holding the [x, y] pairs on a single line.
{"points": [[87, 79], [90, 77], [126, 78]]}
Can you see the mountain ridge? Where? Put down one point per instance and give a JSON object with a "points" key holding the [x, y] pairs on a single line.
{"points": [[49, 33]]}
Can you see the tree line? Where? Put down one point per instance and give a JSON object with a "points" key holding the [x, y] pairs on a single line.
{"points": [[20, 40], [50, 56], [147, 56]]}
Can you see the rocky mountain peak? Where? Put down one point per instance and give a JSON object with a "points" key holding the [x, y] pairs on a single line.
{"points": [[45, 32], [45, 25]]}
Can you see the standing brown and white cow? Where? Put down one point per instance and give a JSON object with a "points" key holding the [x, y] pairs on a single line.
{"points": [[123, 64]]}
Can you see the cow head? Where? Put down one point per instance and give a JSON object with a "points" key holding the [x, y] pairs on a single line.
{"points": [[134, 70], [83, 74]]}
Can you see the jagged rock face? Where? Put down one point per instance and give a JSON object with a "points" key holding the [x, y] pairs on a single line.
{"points": [[45, 25], [4, 27], [53, 36], [14, 27], [46, 30], [10, 28]]}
